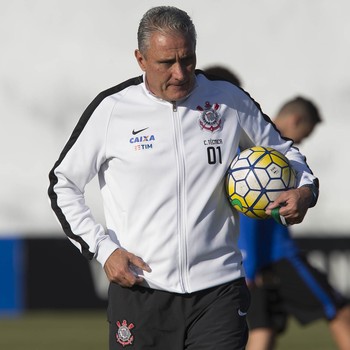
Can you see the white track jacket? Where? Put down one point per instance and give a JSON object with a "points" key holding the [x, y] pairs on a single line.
{"points": [[161, 169]]}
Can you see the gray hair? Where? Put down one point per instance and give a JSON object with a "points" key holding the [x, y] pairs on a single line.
{"points": [[164, 19]]}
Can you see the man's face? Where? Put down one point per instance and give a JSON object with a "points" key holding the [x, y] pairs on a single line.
{"points": [[169, 63]]}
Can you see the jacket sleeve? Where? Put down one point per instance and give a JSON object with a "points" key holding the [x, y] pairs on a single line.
{"points": [[80, 160]]}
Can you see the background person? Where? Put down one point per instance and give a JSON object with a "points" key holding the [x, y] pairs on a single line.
{"points": [[281, 280], [170, 245], [224, 73]]}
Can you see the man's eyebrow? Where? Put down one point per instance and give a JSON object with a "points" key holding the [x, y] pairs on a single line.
{"points": [[167, 60], [173, 59]]}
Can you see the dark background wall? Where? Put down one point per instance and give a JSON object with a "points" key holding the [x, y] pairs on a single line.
{"points": [[52, 274]]}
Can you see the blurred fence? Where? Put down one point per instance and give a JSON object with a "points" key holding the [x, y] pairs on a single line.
{"points": [[52, 274]]}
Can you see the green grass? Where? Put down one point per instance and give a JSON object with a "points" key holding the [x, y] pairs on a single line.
{"points": [[315, 336], [52, 330], [88, 330]]}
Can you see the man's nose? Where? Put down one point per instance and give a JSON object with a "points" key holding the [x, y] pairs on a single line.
{"points": [[178, 71]]}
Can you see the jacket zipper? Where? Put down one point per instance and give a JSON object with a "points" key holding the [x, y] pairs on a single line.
{"points": [[181, 193]]}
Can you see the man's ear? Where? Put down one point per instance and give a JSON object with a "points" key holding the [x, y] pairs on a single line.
{"points": [[297, 119], [140, 59], [293, 119]]}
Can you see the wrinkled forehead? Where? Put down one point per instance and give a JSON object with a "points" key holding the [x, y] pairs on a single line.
{"points": [[170, 37]]}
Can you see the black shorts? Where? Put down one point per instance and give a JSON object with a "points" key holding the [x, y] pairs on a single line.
{"points": [[292, 287], [143, 318]]}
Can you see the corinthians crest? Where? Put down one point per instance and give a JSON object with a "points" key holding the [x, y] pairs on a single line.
{"points": [[210, 119], [124, 335]]}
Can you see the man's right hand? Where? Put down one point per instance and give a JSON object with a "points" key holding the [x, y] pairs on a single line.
{"points": [[119, 268]]}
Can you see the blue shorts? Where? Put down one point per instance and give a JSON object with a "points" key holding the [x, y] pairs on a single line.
{"points": [[143, 318]]}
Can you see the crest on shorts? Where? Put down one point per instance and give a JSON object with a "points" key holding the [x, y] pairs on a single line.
{"points": [[210, 119], [124, 335]]}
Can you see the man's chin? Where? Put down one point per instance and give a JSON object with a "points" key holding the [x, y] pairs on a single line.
{"points": [[178, 95]]}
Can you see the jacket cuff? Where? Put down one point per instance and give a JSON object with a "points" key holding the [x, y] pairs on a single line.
{"points": [[315, 192], [105, 249]]}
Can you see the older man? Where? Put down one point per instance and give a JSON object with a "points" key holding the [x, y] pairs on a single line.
{"points": [[161, 144]]}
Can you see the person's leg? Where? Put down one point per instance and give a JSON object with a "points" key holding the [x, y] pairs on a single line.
{"points": [[266, 316], [340, 328], [217, 318], [261, 339], [309, 296]]}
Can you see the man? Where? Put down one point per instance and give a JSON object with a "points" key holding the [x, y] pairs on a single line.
{"points": [[281, 280], [161, 144]]}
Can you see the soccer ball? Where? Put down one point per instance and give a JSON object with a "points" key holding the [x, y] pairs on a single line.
{"points": [[255, 178]]}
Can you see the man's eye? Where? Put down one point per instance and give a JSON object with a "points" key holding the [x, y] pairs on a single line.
{"points": [[187, 60]]}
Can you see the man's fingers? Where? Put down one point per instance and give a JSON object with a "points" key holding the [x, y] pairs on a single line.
{"points": [[138, 262], [125, 268]]}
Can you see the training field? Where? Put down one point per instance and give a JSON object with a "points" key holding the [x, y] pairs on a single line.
{"points": [[88, 330]]}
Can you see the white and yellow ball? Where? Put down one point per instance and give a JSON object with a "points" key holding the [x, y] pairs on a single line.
{"points": [[255, 178]]}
